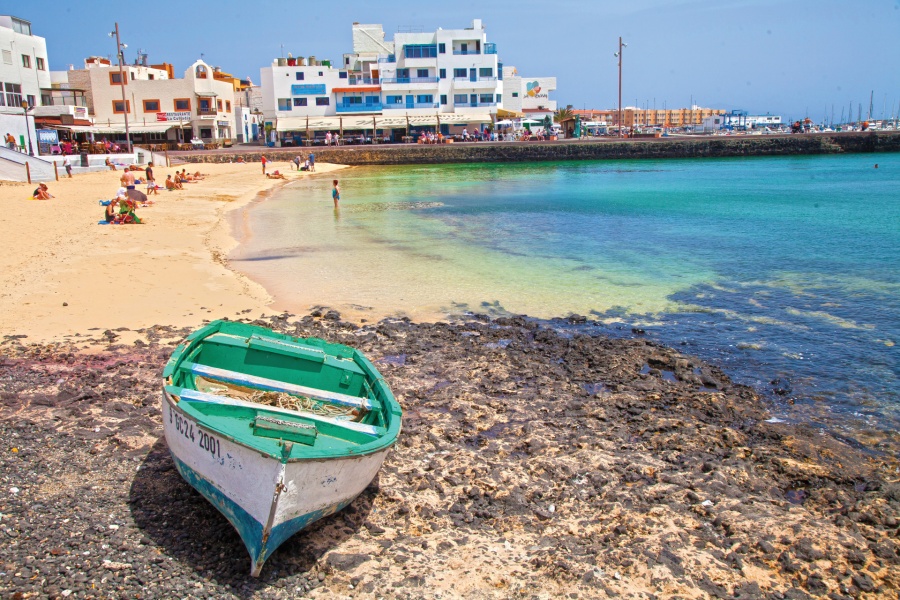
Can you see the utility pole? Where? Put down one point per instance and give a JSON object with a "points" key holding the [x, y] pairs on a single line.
{"points": [[619, 56], [120, 47]]}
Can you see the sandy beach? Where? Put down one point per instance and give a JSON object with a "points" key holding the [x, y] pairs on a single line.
{"points": [[62, 274], [534, 462]]}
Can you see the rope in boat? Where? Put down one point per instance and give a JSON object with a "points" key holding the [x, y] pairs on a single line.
{"points": [[276, 399]]}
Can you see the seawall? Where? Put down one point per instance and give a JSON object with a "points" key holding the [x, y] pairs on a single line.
{"points": [[603, 149]]}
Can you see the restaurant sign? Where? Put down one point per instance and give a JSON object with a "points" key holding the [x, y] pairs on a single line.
{"points": [[182, 115]]}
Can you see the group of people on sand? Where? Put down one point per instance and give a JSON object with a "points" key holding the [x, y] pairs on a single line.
{"points": [[121, 209], [298, 162]]}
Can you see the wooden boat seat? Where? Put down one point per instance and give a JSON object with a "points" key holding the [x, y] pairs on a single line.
{"points": [[263, 383], [189, 395]]}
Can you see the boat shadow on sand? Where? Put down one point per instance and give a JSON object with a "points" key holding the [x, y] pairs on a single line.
{"points": [[186, 528]]}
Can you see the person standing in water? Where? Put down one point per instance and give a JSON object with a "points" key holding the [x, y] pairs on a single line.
{"points": [[336, 193]]}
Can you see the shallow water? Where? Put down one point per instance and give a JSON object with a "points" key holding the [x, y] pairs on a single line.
{"points": [[782, 270]]}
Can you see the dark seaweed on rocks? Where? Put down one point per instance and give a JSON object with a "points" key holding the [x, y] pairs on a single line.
{"points": [[532, 463]]}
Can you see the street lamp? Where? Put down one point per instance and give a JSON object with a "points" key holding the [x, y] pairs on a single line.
{"points": [[120, 48], [26, 108], [619, 56]]}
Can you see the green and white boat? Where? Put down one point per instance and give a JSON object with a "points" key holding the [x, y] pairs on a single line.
{"points": [[275, 431]]}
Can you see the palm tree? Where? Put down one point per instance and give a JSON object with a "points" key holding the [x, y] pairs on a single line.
{"points": [[563, 114]]}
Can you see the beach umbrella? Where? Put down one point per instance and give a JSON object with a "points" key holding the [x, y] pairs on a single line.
{"points": [[373, 129]]}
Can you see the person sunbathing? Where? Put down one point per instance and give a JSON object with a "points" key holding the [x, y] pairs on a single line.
{"points": [[171, 184], [42, 193], [276, 175], [198, 175], [110, 164]]}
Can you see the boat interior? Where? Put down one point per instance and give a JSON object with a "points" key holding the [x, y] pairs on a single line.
{"points": [[323, 396]]}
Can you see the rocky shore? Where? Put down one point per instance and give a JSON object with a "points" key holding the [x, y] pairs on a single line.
{"points": [[533, 463]]}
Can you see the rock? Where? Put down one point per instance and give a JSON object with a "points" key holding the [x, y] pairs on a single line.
{"points": [[345, 562], [863, 582]]}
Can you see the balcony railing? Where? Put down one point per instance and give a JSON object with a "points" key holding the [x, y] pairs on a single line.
{"points": [[473, 104], [390, 58], [207, 111], [465, 52], [404, 105], [363, 81], [347, 108], [470, 80], [490, 48], [389, 80]]}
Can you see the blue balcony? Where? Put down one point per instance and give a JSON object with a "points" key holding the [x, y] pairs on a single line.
{"points": [[390, 58], [357, 108], [473, 104], [363, 81], [390, 80], [490, 48], [465, 52], [408, 105]]}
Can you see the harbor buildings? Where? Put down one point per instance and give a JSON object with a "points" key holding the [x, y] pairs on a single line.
{"points": [[160, 107], [24, 71], [445, 80]]}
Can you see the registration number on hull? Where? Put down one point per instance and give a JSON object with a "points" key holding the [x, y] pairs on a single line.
{"points": [[192, 433]]}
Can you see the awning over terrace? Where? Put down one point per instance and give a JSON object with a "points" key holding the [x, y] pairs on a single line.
{"points": [[119, 128], [379, 121]]}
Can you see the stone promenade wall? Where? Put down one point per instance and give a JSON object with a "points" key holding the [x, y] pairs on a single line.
{"points": [[700, 147]]}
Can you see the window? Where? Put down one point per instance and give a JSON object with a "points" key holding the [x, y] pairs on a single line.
{"points": [[26, 61], [284, 104], [420, 51], [393, 99], [442, 73], [515, 94], [459, 73], [182, 104], [499, 98], [20, 26], [151, 106], [151, 76], [373, 100], [343, 74], [299, 76], [13, 94], [39, 62], [30, 100], [422, 73], [485, 98], [460, 99], [219, 105], [443, 98], [228, 106], [320, 73], [402, 74], [115, 78], [323, 101], [352, 100], [425, 99], [120, 107], [442, 48], [206, 132], [7, 57], [132, 75], [299, 101], [204, 105], [485, 72]]}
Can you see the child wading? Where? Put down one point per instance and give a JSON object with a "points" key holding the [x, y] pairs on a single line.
{"points": [[336, 193]]}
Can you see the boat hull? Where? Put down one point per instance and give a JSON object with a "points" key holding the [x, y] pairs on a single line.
{"points": [[266, 500]]}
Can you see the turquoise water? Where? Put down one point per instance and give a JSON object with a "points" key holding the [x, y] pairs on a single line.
{"points": [[785, 271]]}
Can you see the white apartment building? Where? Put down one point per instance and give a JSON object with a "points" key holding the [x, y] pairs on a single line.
{"points": [[24, 71], [528, 95], [159, 107], [446, 79]]}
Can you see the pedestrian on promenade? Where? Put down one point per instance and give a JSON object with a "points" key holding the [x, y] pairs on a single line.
{"points": [[67, 165]]}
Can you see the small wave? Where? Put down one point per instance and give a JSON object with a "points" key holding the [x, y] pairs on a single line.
{"points": [[385, 206], [836, 320]]}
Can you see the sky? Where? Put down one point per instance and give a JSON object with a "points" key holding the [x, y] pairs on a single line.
{"points": [[794, 58]]}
